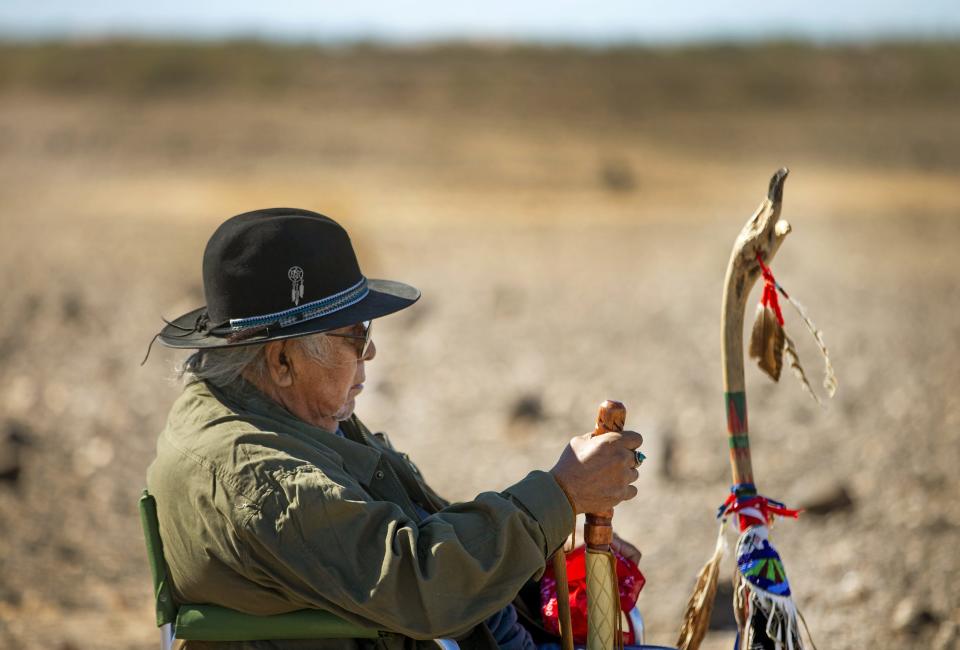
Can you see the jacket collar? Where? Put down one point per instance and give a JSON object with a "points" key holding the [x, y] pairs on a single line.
{"points": [[249, 403]]}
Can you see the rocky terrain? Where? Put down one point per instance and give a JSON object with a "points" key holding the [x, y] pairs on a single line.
{"points": [[568, 216]]}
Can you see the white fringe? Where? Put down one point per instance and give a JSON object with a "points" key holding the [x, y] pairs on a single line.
{"points": [[782, 621]]}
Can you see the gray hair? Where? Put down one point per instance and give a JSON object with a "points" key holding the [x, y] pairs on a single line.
{"points": [[225, 366]]}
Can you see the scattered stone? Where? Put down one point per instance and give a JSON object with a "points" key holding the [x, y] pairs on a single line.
{"points": [[68, 553], [666, 468], [908, 616], [825, 498], [10, 596], [903, 614], [385, 388], [617, 175], [30, 307], [527, 409], [948, 636], [21, 394], [852, 588], [72, 308], [96, 453], [9, 473], [938, 524], [14, 438]]}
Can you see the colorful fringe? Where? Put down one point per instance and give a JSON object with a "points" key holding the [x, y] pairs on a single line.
{"points": [[765, 610], [767, 615]]}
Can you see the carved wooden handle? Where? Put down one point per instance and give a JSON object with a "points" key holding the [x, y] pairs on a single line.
{"points": [[598, 529]]}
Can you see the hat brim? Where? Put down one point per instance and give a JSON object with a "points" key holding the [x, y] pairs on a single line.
{"points": [[385, 297]]}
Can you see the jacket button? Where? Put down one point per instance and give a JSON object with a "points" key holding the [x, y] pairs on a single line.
{"points": [[379, 473]]}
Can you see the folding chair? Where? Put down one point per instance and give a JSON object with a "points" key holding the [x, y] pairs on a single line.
{"points": [[212, 623]]}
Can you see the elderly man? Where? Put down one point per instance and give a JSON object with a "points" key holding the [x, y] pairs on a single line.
{"points": [[273, 496]]}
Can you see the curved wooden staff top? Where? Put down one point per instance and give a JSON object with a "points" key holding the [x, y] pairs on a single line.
{"points": [[762, 235]]}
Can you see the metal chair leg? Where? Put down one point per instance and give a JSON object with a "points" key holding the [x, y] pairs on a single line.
{"points": [[636, 625], [166, 636]]}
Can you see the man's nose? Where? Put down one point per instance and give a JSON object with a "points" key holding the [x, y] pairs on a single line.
{"points": [[371, 351]]}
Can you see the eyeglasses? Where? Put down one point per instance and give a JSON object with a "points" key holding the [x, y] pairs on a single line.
{"points": [[363, 341]]}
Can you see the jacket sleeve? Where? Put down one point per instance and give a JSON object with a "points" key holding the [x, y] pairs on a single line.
{"points": [[324, 542]]}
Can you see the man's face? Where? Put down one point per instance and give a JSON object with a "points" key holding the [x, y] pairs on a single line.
{"points": [[322, 394]]}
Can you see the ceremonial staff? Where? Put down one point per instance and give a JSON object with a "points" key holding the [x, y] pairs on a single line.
{"points": [[763, 604]]}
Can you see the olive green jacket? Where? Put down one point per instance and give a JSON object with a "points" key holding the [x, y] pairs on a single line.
{"points": [[264, 513]]}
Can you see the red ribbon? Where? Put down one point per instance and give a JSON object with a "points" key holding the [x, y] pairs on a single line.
{"points": [[768, 507], [770, 287]]}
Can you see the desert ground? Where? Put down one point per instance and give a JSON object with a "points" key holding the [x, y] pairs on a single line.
{"points": [[568, 215]]}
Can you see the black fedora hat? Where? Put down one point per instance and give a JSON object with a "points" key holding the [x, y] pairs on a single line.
{"points": [[281, 273]]}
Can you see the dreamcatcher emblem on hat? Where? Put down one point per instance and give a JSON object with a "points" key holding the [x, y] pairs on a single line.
{"points": [[296, 277]]}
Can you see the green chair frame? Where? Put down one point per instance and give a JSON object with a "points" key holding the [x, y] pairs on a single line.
{"points": [[213, 623]]}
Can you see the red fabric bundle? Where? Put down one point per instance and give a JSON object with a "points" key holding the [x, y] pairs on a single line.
{"points": [[630, 579]]}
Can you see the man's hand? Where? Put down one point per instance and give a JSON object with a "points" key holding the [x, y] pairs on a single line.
{"points": [[596, 472]]}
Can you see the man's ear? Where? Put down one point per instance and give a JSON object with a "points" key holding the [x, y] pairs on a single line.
{"points": [[279, 364]]}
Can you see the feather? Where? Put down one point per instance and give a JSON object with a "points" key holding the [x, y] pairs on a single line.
{"points": [[766, 342], [757, 334], [829, 378], [791, 351], [696, 618]]}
